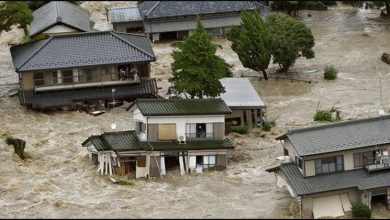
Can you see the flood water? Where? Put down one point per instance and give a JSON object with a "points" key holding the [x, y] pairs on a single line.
{"points": [[58, 181]]}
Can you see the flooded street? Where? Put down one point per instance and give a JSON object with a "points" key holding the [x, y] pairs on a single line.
{"points": [[57, 179]]}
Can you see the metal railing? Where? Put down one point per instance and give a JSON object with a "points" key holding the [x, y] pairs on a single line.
{"points": [[200, 135], [72, 80], [376, 163]]}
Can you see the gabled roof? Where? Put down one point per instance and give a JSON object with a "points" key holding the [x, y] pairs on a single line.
{"points": [[59, 12], [239, 92], [82, 49], [340, 136], [358, 178], [158, 9], [128, 141], [162, 107], [125, 14]]}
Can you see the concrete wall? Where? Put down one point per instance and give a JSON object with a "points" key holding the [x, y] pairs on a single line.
{"points": [[309, 168], [27, 81], [354, 196], [59, 29], [180, 121]]}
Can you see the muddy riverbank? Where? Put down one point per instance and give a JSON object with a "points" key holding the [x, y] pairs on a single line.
{"points": [[58, 181]]}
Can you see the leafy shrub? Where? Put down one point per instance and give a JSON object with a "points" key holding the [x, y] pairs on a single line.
{"points": [[267, 126], [125, 183], [330, 73], [333, 114], [361, 211], [241, 129]]}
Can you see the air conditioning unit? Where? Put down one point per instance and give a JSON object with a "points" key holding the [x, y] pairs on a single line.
{"points": [[181, 139]]}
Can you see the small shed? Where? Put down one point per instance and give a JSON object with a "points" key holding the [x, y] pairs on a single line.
{"points": [[242, 98]]}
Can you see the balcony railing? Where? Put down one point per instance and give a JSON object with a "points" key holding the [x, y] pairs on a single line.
{"points": [[200, 135], [70, 82], [376, 163]]}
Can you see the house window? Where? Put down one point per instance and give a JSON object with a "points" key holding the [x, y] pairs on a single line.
{"points": [[209, 161], [166, 132], [67, 76], [285, 152], [39, 79], [140, 126], [358, 160], [199, 130], [298, 161], [329, 165], [51, 78]]}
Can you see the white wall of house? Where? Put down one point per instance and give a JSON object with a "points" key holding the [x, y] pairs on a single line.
{"points": [[180, 121], [60, 28]]}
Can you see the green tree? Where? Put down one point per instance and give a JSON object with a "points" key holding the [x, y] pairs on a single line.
{"points": [[196, 69], [292, 39], [252, 42], [34, 5], [15, 13]]}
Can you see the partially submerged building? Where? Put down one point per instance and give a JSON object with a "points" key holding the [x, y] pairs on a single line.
{"points": [[59, 17], [188, 133], [244, 101], [329, 167], [84, 68], [175, 19]]}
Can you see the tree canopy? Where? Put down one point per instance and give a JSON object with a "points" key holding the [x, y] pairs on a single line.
{"points": [[196, 69], [292, 39], [15, 13], [252, 42]]}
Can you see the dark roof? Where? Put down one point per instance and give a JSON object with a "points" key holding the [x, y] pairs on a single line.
{"points": [[128, 141], [59, 12], [159, 107], [82, 49], [340, 136], [157, 9], [358, 178], [44, 100]]}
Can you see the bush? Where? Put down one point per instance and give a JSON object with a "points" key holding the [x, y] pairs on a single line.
{"points": [[241, 129], [267, 126], [330, 73], [361, 211], [333, 114], [125, 183]]}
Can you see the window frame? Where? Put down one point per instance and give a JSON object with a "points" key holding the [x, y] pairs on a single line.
{"points": [[338, 164]]}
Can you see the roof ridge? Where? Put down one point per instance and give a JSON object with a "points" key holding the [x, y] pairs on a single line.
{"points": [[356, 121], [132, 34], [135, 46], [39, 49], [152, 8]]}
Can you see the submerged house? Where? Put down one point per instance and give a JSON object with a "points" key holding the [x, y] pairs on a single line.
{"points": [[327, 168], [59, 17], [175, 19], [167, 133], [84, 68]]}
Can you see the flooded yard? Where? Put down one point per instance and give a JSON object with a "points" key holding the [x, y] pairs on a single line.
{"points": [[57, 179]]}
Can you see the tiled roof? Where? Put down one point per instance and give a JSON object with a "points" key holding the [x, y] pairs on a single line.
{"points": [[59, 12], [159, 107], [239, 92], [340, 136], [125, 14], [128, 141], [157, 9], [349, 179], [147, 88], [84, 49]]}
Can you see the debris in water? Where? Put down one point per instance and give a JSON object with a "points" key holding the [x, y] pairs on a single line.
{"points": [[386, 58], [13, 92], [96, 113]]}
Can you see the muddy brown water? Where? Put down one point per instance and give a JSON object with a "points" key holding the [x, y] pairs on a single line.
{"points": [[58, 181]]}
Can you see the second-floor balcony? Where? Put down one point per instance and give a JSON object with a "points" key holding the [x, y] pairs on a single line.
{"points": [[93, 80], [380, 162], [200, 135]]}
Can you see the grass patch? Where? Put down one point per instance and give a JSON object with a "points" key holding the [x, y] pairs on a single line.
{"points": [[125, 183], [267, 126], [333, 114], [58, 203], [361, 211], [241, 129], [330, 73]]}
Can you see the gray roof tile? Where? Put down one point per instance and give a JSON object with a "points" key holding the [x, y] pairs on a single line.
{"points": [[85, 49], [128, 141], [340, 136], [349, 179], [239, 92], [125, 14], [59, 12], [155, 107], [157, 9]]}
